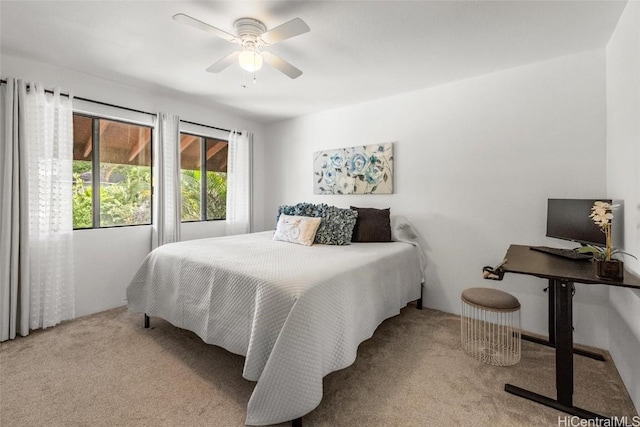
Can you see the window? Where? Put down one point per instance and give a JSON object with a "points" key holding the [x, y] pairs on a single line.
{"points": [[203, 181], [115, 158]]}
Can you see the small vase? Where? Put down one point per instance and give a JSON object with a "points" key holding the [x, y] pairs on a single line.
{"points": [[613, 269]]}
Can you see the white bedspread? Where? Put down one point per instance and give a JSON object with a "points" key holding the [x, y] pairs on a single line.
{"points": [[297, 313]]}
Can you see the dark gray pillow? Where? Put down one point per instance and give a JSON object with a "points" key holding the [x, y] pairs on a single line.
{"points": [[373, 225], [337, 224]]}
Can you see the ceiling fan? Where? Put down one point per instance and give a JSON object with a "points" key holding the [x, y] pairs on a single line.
{"points": [[252, 35]]}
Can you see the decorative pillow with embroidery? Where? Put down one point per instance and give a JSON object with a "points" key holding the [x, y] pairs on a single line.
{"points": [[297, 229]]}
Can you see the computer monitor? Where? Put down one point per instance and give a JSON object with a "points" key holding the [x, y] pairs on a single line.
{"points": [[568, 219]]}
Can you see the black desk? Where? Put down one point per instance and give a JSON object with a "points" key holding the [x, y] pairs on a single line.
{"points": [[562, 273]]}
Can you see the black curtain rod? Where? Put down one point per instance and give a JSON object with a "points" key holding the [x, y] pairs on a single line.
{"points": [[206, 126], [106, 104]]}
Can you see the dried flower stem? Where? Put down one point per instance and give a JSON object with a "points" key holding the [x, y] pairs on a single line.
{"points": [[608, 239]]}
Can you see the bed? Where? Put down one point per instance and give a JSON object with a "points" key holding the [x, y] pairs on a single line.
{"points": [[296, 313]]}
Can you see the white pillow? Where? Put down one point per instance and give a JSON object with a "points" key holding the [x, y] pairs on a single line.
{"points": [[297, 229], [402, 230]]}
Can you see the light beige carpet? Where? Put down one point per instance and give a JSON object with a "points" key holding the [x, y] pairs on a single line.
{"points": [[107, 370]]}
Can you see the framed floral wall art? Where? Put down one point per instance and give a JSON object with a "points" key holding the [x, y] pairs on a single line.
{"points": [[365, 169]]}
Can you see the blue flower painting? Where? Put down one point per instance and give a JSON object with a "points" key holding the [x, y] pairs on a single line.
{"points": [[366, 169]]}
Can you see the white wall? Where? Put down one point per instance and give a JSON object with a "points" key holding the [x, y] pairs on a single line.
{"points": [[475, 162], [106, 260], [623, 178]]}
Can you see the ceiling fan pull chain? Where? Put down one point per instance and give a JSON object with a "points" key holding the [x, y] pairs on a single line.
{"points": [[254, 66]]}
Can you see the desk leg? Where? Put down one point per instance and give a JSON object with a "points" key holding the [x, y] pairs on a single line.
{"points": [[564, 342], [552, 403], [551, 290], [564, 358], [585, 353]]}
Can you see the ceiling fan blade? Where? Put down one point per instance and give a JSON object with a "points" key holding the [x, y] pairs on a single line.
{"points": [[224, 62], [186, 19], [289, 29], [281, 65]]}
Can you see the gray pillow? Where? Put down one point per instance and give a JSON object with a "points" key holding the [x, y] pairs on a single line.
{"points": [[337, 224], [302, 209]]}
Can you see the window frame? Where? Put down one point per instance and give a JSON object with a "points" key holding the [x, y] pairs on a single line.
{"points": [[203, 136], [95, 165]]}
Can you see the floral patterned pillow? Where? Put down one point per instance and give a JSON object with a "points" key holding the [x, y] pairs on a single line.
{"points": [[297, 229], [337, 224]]}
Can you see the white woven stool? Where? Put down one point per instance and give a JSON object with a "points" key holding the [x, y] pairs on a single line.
{"points": [[490, 326]]}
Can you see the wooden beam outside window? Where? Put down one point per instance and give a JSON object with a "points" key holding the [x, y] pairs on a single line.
{"points": [[186, 141], [144, 137], [212, 151], [88, 145]]}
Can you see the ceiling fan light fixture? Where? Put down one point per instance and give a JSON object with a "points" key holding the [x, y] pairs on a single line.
{"points": [[252, 35], [250, 60]]}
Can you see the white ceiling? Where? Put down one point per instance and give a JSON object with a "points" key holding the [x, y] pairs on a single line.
{"points": [[356, 51]]}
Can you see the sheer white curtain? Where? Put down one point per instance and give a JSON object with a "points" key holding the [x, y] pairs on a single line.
{"points": [[166, 180], [239, 182], [36, 229]]}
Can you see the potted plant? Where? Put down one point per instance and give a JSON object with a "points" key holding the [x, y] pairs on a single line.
{"points": [[605, 265]]}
